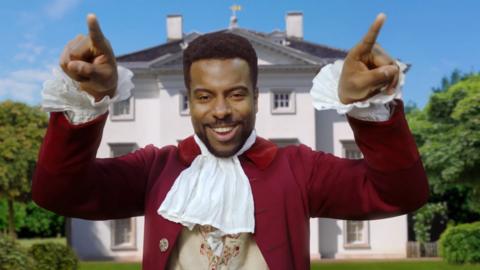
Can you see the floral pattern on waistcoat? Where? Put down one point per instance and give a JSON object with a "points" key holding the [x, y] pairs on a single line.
{"points": [[231, 248]]}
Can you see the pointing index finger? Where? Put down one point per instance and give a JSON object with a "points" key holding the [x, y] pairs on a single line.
{"points": [[95, 32], [371, 37]]}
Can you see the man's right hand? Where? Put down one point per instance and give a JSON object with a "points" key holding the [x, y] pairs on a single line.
{"points": [[368, 68], [90, 61]]}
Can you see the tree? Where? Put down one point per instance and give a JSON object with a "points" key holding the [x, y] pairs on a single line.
{"points": [[455, 77], [447, 132], [19, 218], [424, 219], [22, 128], [31, 220], [41, 222]]}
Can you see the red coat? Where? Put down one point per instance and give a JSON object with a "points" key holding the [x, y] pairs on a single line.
{"points": [[289, 185]]}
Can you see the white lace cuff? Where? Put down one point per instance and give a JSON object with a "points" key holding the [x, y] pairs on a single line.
{"points": [[62, 94], [325, 95]]}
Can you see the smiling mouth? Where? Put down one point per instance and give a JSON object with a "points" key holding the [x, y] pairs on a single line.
{"points": [[225, 133], [223, 129]]}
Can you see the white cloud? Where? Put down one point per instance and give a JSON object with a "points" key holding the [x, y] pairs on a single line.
{"points": [[31, 46], [23, 56], [31, 75], [24, 85], [19, 91], [56, 9], [29, 51]]}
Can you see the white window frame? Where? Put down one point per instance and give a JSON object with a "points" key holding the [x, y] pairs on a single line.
{"points": [[131, 244], [124, 117], [350, 145], [364, 243], [282, 142], [183, 95], [291, 109], [134, 147]]}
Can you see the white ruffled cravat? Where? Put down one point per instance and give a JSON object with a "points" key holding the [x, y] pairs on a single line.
{"points": [[212, 191]]}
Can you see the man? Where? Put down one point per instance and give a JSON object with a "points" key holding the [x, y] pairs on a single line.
{"points": [[224, 198]]}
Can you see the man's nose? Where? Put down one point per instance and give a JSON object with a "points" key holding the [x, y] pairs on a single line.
{"points": [[222, 109]]}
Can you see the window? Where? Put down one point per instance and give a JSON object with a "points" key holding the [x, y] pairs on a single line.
{"points": [[120, 149], [184, 108], [351, 151], [123, 110], [283, 101], [123, 231], [285, 142], [356, 234]]}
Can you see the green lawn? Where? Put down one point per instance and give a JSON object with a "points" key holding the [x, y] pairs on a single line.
{"points": [[393, 265], [367, 265], [323, 265], [109, 266], [29, 242]]}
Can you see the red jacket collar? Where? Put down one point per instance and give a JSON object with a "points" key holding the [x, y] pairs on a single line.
{"points": [[261, 153]]}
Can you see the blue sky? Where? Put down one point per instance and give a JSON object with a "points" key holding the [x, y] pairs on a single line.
{"points": [[434, 36]]}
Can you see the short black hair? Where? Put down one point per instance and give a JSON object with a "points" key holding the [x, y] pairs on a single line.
{"points": [[220, 45]]}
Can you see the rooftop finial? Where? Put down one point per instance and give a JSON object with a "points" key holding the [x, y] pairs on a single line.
{"points": [[233, 18]]}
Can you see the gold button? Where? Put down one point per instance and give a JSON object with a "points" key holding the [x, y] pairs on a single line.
{"points": [[163, 244]]}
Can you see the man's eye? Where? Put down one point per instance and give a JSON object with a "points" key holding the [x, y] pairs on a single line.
{"points": [[238, 95], [203, 97]]}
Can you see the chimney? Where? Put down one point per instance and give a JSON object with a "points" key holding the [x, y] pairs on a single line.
{"points": [[174, 27], [294, 25]]}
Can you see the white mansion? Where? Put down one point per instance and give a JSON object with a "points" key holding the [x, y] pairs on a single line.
{"points": [[157, 113]]}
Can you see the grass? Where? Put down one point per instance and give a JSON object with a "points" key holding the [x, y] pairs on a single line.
{"points": [[109, 266], [336, 265], [322, 265], [392, 265], [29, 242]]}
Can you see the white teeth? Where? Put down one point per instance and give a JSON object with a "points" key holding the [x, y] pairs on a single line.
{"points": [[223, 129]]}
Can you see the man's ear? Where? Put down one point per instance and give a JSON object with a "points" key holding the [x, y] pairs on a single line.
{"points": [[255, 99]]}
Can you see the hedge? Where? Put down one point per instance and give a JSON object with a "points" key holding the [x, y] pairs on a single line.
{"points": [[461, 244], [32, 221], [43, 256], [12, 256], [53, 256]]}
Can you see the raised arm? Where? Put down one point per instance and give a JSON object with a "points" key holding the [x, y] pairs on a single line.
{"points": [[69, 179], [390, 180]]}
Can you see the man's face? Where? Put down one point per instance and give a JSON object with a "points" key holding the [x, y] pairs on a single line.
{"points": [[223, 104]]}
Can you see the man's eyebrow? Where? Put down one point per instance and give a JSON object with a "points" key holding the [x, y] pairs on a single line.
{"points": [[237, 87], [201, 90]]}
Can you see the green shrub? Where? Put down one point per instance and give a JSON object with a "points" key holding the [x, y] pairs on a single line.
{"points": [[19, 216], [53, 256], [424, 219], [12, 256], [32, 221], [461, 244], [41, 223]]}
